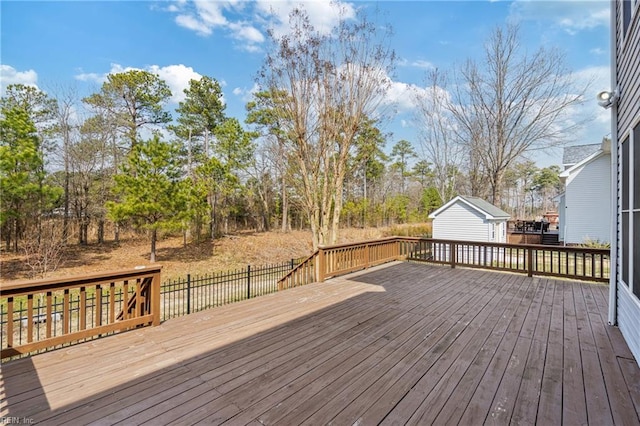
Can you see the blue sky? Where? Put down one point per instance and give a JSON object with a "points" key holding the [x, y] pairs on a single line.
{"points": [[54, 44]]}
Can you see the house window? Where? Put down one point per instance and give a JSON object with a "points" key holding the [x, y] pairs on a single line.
{"points": [[625, 217], [636, 255], [629, 9], [636, 168], [635, 231], [626, 15]]}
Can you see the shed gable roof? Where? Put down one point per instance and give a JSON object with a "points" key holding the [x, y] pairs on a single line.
{"points": [[488, 210]]}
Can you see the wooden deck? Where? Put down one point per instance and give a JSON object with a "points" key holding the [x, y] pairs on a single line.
{"points": [[400, 344]]}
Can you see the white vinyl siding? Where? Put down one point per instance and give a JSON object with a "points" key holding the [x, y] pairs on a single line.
{"points": [[628, 62], [461, 222], [629, 318], [587, 203], [562, 217], [626, 117]]}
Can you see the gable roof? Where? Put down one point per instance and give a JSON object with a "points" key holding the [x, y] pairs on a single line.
{"points": [[603, 149], [488, 210], [575, 154]]}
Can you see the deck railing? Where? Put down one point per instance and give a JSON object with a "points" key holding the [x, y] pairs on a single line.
{"points": [[48, 313], [61, 311], [568, 262]]}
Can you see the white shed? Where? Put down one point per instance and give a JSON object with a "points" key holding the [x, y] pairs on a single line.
{"points": [[470, 219]]}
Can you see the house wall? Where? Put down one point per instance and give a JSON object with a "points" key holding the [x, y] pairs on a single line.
{"points": [[629, 318], [461, 222], [627, 65], [626, 116], [587, 212], [562, 217]]}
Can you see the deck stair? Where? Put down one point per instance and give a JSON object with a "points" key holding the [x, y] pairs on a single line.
{"points": [[549, 239]]}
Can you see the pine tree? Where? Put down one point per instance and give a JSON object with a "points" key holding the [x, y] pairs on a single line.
{"points": [[154, 197]]}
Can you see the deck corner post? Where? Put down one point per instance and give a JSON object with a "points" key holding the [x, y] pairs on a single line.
{"points": [[155, 297], [529, 261], [322, 265]]}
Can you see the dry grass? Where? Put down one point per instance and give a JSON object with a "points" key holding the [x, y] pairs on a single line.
{"points": [[230, 252]]}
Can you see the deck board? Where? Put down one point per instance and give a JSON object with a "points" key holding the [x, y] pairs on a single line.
{"points": [[403, 343]]}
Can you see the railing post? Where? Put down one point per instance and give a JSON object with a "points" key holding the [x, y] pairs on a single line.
{"points": [[321, 267], [529, 261], [452, 251], [155, 298], [248, 281], [367, 256], [292, 263], [188, 294]]}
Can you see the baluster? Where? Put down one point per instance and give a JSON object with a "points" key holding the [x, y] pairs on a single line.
{"points": [[98, 303], [49, 314], [66, 312], [30, 318], [82, 301], [112, 303]]}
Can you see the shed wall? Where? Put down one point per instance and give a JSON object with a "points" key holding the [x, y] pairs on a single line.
{"points": [[460, 222]]}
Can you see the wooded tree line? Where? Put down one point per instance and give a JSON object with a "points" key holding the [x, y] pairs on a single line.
{"points": [[310, 153]]}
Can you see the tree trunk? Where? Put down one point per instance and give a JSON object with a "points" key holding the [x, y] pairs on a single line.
{"points": [[285, 207], [154, 237], [265, 215], [496, 188], [100, 231]]}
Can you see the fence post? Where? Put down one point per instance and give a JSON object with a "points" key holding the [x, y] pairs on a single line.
{"points": [[529, 262], [188, 294], [248, 281], [292, 263], [452, 251]]}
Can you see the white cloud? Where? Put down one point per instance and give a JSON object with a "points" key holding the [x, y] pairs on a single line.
{"points": [[597, 51], [192, 23], [246, 32], [247, 22], [177, 77], [570, 15], [323, 14], [246, 94], [423, 64], [10, 75], [598, 79]]}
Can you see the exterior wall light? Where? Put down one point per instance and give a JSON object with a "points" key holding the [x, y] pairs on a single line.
{"points": [[606, 99]]}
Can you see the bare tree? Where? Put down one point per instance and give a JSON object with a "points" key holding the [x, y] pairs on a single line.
{"points": [[437, 136], [331, 83], [44, 252], [512, 102], [66, 125]]}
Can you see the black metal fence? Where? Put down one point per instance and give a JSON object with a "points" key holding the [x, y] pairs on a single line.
{"points": [[179, 297], [195, 293]]}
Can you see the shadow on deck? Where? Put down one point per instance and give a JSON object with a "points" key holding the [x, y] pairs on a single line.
{"points": [[401, 343]]}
